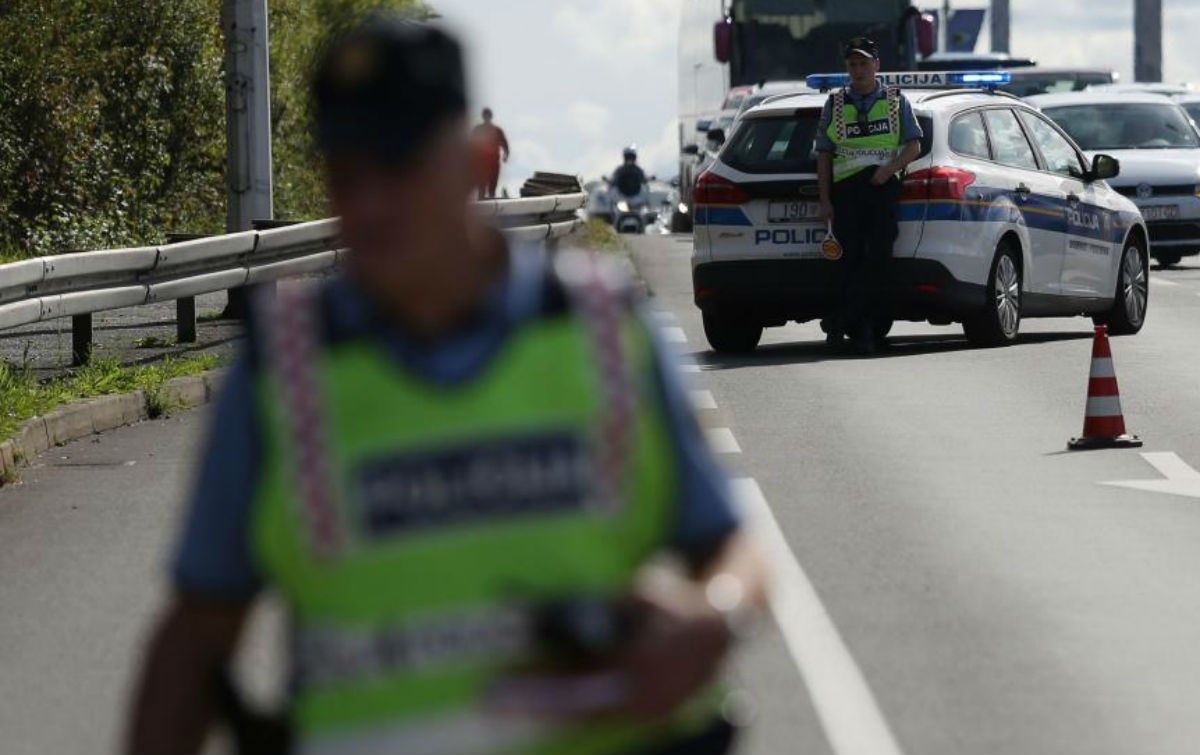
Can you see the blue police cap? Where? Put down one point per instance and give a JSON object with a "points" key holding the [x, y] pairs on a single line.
{"points": [[385, 86]]}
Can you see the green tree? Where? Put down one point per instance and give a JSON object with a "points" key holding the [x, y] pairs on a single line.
{"points": [[298, 30], [112, 117]]}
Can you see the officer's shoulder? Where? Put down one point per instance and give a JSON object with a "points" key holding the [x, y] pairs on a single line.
{"points": [[576, 279]]}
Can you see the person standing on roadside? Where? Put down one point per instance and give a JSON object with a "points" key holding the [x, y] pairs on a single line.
{"points": [[494, 146], [867, 135], [453, 463]]}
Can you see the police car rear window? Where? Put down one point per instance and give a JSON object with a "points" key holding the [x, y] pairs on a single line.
{"points": [[775, 144]]}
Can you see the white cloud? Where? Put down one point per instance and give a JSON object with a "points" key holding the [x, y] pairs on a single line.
{"points": [[592, 121], [1100, 33], [626, 34]]}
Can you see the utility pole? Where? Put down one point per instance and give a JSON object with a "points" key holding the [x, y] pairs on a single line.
{"points": [[1147, 40], [1000, 26], [247, 121], [944, 28]]}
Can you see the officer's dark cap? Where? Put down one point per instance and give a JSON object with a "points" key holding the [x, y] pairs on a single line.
{"points": [[384, 87], [863, 46]]}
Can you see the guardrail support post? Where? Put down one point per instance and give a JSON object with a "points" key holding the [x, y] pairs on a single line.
{"points": [[81, 339], [185, 319]]}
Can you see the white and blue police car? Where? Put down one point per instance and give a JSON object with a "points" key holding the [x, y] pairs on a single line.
{"points": [[1158, 145], [1002, 217]]}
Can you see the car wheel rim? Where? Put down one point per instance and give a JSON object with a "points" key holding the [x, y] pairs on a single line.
{"points": [[1008, 296], [1134, 286]]}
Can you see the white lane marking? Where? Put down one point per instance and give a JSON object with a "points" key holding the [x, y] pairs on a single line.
{"points": [[1172, 467], [702, 400], [663, 315], [849, 715], [689, 367], [1162, 281], [674, 335], [721, 440], [1181, 479]]}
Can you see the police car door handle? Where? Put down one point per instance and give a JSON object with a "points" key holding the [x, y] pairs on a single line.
{"points": [[1023, 190], [1073, 198]]}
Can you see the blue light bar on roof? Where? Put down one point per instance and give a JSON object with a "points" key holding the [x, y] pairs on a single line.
{"points": [[980, 78], [919, 79]]}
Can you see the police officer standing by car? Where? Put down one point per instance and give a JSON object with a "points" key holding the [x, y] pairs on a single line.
{"points": [[451, 461], [867, 135]]}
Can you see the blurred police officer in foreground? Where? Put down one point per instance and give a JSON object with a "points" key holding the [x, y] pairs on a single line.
{"points": [[452, 463], [867, 135]]}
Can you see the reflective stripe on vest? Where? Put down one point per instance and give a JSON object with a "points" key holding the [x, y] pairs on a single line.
{"points": [[864, 143], [456, 511]]}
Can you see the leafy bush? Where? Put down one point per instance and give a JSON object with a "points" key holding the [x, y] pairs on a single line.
{"points": [[112, 118]]}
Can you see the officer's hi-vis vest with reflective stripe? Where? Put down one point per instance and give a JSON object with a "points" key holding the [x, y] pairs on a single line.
{"points": [[864, 143], [412, 527]]}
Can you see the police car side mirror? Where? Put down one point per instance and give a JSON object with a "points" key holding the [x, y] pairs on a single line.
{"points": [[1105, 166], [692, 149]]}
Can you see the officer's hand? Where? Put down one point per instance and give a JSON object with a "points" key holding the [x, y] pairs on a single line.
{"points": [[826, 210], [678, 646], [882, 176]]}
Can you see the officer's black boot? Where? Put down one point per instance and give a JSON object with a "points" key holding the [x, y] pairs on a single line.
{"points": [[863, 342]]}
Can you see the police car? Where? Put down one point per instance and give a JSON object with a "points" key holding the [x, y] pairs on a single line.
{"points": [[1001, 218], [1158, 145]]}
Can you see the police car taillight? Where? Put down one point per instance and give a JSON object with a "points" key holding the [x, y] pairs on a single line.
{"points": [[933, 184], [713, 189]]}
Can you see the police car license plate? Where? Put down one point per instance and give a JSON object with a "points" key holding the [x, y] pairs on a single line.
{"points": [[1161, 212], [793, 212]]}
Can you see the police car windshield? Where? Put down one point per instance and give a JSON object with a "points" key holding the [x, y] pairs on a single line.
{"points": [[1127, 126], [1193, 109], [775, 144]]}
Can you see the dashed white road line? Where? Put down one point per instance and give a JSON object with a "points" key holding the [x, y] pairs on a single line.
{"points": [[721, 440], [689, 367], [674, 335], [1162, 281], [663, 315], [849, 715], [702, 400]]}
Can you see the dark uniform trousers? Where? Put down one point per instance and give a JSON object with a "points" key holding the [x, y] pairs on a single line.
{"points": [[866, 222]]}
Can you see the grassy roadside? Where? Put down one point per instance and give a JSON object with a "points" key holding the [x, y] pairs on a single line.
{"points": [[598, 236], [23, 397]]}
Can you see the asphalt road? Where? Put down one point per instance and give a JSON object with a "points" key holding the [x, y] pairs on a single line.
{"points": [[996, 597], [951, 580]]}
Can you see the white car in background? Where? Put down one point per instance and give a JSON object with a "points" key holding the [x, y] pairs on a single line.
{"points": [[1141, 87], [1190, 103], [1002, 217], [771, 89], [1159, 148]]}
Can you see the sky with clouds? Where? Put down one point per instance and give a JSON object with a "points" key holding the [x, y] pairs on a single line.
{"points": [[573, 81]]}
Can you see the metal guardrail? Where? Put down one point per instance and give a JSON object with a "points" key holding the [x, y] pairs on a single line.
{"points": [[79, 284]]}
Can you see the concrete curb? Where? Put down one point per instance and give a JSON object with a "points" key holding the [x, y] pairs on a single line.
{"points": [[96, 415]]}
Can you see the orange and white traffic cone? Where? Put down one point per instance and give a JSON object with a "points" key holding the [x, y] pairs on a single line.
{"points": [[1103, 422]]}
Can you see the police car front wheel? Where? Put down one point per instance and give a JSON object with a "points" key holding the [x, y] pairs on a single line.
{"points": [[730, 334], [1000, 320], [1128, 312]]}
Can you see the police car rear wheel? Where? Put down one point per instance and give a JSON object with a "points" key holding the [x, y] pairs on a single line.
{"points": [[1000, 320], [728, 334], [1132, 297]]}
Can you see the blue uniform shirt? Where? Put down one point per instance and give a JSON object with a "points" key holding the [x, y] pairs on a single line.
{"points": [[910, 129], [214, 555]]}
